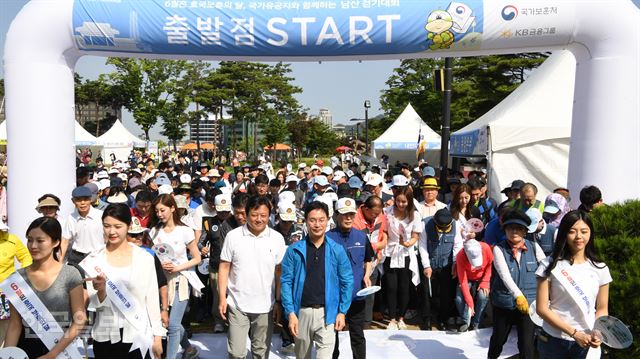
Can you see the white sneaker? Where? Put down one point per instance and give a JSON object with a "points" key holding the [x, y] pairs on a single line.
{"points": [[401, 325], [392, 326]]}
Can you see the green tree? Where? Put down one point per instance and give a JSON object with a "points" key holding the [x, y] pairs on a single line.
{"points": [[321, 138], [143, 84], [479, 83], [94, 95], [274, 130], [298, 133]]}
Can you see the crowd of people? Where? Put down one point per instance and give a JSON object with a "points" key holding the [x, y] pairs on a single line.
{"points": [[154, 244]]}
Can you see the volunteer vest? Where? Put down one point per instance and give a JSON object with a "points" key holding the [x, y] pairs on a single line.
{"points": [[354, 244], [519, 204], [440, 245], [212, 227], [545, 241], [523, 274]]}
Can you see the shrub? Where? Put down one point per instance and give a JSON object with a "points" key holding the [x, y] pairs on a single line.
{"points": [[617, 230]]}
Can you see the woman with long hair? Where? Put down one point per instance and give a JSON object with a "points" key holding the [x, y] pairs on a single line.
{"points": [[569, 318], [117, 327], [58, 286], [170, 236], [462, 210], [241, 184], [401, 264]]}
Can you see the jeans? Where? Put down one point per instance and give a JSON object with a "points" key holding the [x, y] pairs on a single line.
{"points": [[550, 347], [480, 301], [175, 334]]}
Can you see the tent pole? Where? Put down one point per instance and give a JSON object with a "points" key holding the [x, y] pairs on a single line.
{"points": [[446, 124]]}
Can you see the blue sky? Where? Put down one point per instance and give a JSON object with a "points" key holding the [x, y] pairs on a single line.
{"points": [[342, 87]]}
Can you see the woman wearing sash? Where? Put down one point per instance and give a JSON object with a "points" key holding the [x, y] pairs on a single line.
{"points": [[58, 286], [572, 268], [169, 232], [119, 328]]}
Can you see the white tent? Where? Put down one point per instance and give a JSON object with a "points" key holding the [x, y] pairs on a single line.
{"points": [[526, 136], [119, 141], [400, 140], [82, 136]]}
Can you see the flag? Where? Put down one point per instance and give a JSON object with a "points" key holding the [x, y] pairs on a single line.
{"points": [[421, 144]]}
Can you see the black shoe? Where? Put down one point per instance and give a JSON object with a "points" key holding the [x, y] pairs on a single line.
{"points": [[472, 327], [426, 324], [443, 326], [463, 328]]}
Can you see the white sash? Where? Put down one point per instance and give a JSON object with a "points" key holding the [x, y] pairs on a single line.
{"points": [[574, 289], [165, 253], [36, 315], [124, 302]]}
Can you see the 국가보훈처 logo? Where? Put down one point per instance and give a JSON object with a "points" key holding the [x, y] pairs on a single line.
{"points": [[509, 12]]}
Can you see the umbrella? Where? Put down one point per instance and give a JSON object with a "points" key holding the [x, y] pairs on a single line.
{"points": [[343, 149], [372, 161]]}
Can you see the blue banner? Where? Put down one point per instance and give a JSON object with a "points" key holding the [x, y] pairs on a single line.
{"points": [[277, 28], [465, 144], [404, 145]]}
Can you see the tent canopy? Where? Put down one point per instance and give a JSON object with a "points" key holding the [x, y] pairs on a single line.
{"points": [[118, 141], [526, 136], [400, 140], [279, 147], [82, 136]]}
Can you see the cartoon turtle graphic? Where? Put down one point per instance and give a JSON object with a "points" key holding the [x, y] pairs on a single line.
{"points": [[438, 25]]}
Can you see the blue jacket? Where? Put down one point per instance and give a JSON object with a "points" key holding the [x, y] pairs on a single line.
{"points": [[354, 244], [338, 284]]}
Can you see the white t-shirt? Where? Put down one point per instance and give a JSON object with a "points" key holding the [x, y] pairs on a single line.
{"points": [[590, 278], [394, 247], [202, 211], [253, 259], [85, 234], [178, 239]]}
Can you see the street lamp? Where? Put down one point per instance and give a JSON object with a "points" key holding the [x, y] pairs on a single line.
{"points": [[367, 105]]}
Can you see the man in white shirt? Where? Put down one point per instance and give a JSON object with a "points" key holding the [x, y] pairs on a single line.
{"points": [[248, 273], [83, 228], [430, 205]]}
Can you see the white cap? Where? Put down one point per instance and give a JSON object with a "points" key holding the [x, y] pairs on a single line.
{"points": [[287, 211], [302, 165], [346, 205], [327, 170], [223, 203], [286, 197], [185, 178], [535, 216], [204, 179], [314, 167], [400, 181], [102, 184], [181, 201], [102, 174], [337, 175], [213, 173], [291, 178], [374, 180], [326, 200], [118, 198], [123, 176], [473, 250], [321, 181], [113, 170], [165, 189]]}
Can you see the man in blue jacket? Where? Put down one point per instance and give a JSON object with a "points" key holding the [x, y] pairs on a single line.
{"points": [[317, 286], [361, 254]]}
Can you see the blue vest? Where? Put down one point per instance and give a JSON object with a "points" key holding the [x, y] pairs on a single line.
{"points": [[354, 244], [545, 241], [523, 274], [440, 245]]}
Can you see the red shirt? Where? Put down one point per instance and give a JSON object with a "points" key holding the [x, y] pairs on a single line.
{"points": [[359, 222], [144, 221], [466, 273]]}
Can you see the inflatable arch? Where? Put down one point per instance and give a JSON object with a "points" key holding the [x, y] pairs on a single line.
{"points": [[47, 37]]}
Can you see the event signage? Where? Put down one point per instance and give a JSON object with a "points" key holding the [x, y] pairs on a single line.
{"points": [[245, 28], [36, 314]]}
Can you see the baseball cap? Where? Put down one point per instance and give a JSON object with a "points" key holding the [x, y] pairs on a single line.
{"points": [[518, 217], [134, 182], [535, 216], [473, 250], [321, 181], [118, 198], [326, 170], [223, 203], [80, 192], [302, 165], [337, 175], [123, 177], [287, 211], [165, 189], [136, 226], [551, 206], [326, 200], [429, 171], [286, 197], [94, 190], [355, 182], [113, 171], [162, 179], [291, 178], [400, 181], [314, 167], [102, 174], [429, 183], [181, 201], [346, 205], [213, 173], [374, 180], [185, 178]]}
